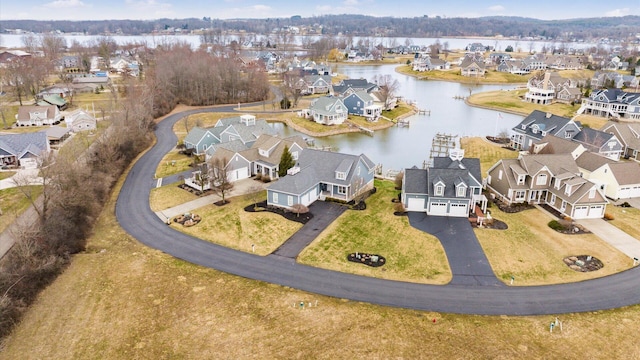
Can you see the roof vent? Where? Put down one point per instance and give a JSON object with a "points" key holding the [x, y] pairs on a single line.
{"points": [[549, 115]]}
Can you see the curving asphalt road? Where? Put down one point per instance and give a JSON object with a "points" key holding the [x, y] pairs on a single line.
{"points": [[132, 210]]}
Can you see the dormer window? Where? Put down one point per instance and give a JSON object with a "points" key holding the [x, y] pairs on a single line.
{"points": [[541, 179], [439, 190], [521, 179], [461, 191], [263, 152], [592, 193], [567, 190], [341, 175]]}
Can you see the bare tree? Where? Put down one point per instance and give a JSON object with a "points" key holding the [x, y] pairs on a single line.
{"points": [[388, 87], [220, 182]]}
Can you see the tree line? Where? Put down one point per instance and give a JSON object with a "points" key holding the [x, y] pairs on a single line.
{"points": [[357, 25]]}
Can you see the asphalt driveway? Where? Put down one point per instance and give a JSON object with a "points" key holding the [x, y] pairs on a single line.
{"points": [[324, 213], [467, 260], [135, 217]]}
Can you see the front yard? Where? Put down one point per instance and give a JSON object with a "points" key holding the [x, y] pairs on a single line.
{"points": [[532, 252], [168, 196], [231, 226], [626, 219], [411, 255]]}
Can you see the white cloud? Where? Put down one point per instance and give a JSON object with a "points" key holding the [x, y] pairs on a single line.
{"points": [[617, 12], [64, 4], [496, 8], [351, 2], [259, 8]]}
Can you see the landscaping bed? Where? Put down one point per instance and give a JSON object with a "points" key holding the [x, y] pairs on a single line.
{"points": [[583, 263], [372, 260], [513, 208], [289, 215], [194, 191]]}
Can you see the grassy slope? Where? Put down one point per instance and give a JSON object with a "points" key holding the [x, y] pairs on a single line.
{"points": [[411, 254], [13, 203], [132, 302]]}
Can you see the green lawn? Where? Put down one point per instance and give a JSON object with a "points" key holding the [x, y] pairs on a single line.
{"points": [[174, 163], [411, 255]]}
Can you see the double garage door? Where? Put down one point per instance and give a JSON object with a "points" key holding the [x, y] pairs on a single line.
{"points": [[588, 212], [627, 192], [444, 209]]}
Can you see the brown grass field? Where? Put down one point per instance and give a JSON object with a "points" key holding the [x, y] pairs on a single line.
{"points": [[13, 203], [488, 152], [132, 302], [168, 196], [626, 219]]}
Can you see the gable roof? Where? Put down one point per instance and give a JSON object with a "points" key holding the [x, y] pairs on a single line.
{"points": [[556, 163], [196, 134], [24, 111], [593, 139], [556, 145], [548, 122], [626, 173], [592, 161], [19, 144], [320, 166]]}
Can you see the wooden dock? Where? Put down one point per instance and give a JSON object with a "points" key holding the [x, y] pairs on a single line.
{"points": [[365, 130], [424, 112]]}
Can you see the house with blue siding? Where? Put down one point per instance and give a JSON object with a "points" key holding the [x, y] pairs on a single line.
{"points": [[538, 124], [362, 104], [328, 111], [450, 187], [23, 150], [321, 175], [244, 128]]}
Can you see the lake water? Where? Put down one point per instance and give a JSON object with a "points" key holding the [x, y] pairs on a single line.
{"points": [[401, 147]]}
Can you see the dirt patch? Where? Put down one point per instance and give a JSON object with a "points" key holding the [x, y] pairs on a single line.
{"points": [[583, 263], [492, 224], [513, 208], [498, 140], [194, 191]]}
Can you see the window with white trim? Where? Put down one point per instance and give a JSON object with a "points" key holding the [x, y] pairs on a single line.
{"points": [[553, 198], [541, 179], [439, 190], [342, 190], [289, 200], [341, 175], [275, 197], [521, 179], [461, 191], [520, 195]]}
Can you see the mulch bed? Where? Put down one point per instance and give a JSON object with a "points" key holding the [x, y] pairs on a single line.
{"points": [[372, 260], [187, 220], [493, 224], [498, 140], [583, 263], [512, 209], [262, 206]]}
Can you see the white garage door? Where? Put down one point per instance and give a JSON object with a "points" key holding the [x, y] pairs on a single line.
{"points": [[309, 197], [238, 174], [439, 209], [635, 191], [596, 211], [581, 212], [458, 210], [415, 204], [624, 192]]}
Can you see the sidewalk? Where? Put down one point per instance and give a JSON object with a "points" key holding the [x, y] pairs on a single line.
{"points": [[240, 187], [23, 176]]}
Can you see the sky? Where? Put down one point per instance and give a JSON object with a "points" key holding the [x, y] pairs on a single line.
{"points": [[233, 9]]}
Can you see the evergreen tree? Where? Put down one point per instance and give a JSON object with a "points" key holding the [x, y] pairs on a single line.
{"points": [[286, 162]]}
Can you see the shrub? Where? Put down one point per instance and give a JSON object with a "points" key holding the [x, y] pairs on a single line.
{"points": [[399, 207], [608, 216], [258, 176], [555, 225], [625, 205]]}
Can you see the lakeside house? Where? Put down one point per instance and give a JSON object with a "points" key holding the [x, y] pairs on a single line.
{"points": [[552, 180], [322, 175], [450, 187]]}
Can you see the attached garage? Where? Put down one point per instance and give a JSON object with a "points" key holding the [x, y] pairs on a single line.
{"points": [[459, 210], [415, 204], [581, 212], [626, 192], [238, 174], [438, 209], [308, 198], [596, 211]]}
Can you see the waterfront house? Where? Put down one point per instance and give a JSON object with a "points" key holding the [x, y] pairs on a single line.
{"points": [[322, 175]]}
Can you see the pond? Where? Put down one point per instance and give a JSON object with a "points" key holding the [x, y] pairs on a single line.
{"points": [[401, 147]]}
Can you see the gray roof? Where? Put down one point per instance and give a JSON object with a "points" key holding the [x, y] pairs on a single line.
{"points": [[319, 166], [450, 172], [472, 164], [195, 134], [591, 161], [557, 145], [56, 132], [415, 181], [545, 121], [592, 139], [19, 144]]}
